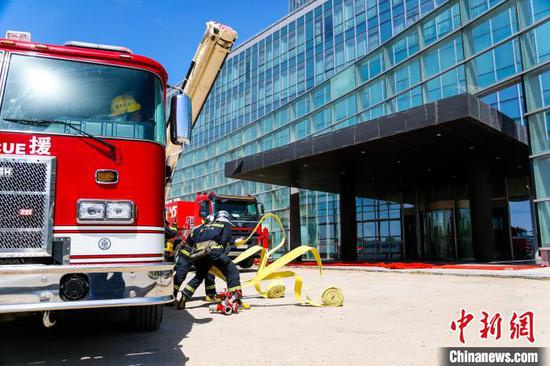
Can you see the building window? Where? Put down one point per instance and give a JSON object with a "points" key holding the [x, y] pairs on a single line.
{"points": [[406, 100], [370, 67], [443, 57], [403, 48], [442, 24], [477, 7], [371, 94], [301, 129], [541, 171], [281, 138], [539, 129], [544, 222], [536, 47], [321, 96], [378, 229], [538, 87], [533, 10], [322, 119], [342, 83], [509, 101], [492, 30], [451, 83], [406, 76], [495, 65]]}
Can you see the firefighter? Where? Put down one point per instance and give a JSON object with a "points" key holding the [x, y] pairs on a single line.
{"points": [[183, 265], [212, 238], [126, 107], [170, 234]]}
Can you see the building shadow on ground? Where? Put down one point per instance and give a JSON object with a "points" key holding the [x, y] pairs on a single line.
{"points": [[95, 337]]}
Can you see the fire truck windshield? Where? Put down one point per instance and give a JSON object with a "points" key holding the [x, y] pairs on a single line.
{"points": [[101, 100], [238, 209]]}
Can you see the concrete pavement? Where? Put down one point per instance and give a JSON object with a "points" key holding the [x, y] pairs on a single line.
{"points": [[388, 318], [541, 273]]}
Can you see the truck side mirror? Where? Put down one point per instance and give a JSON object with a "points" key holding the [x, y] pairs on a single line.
{"points": [[180, 119], [261, 208]]}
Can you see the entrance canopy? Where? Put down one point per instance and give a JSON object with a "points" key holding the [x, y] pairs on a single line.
{"points": [[434, 142]]}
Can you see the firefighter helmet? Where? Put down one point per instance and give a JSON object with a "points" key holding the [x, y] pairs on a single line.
{"points": [[224, 216], [124, 104]]}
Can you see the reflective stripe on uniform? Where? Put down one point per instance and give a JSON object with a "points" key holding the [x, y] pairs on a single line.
{"points": [[185, 252], [189, 288], [234, 288], [211, 287]]}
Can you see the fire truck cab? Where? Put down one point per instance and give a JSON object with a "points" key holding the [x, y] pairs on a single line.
{"points": [[245, 211], [83, 133]]}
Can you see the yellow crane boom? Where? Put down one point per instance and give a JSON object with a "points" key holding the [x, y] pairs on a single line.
{"points": [[205, 67]]}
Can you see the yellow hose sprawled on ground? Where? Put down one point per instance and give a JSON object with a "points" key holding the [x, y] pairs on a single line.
{"points": [[331, 296]]}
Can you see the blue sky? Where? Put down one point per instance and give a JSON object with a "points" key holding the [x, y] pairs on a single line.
{"points": [[165, 30]]}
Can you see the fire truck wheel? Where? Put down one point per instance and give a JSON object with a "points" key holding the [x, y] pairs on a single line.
{"points": [[145, 318], [247, 263]]}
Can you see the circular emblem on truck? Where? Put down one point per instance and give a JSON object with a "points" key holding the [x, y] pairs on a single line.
{"points": [[104, 243]]}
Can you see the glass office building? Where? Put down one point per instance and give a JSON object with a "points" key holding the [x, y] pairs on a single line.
{"points": [[294, 5], [336, 63]]}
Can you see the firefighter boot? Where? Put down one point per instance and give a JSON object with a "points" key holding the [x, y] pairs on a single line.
{"points": [[173, 303], [180, 300], [214, 297]]}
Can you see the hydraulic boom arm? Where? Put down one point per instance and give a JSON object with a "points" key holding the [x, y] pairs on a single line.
{"points": [[205, 67]]}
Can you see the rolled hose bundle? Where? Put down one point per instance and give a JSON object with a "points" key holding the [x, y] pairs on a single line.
{"points": [[276, 289], [332, 296]]}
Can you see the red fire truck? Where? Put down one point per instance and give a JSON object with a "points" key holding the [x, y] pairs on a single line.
{"points": [[246, 212], [82, 176]]}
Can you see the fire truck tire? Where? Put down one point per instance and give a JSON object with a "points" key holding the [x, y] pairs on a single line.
{"points": [[145, 318], [247, 263]]}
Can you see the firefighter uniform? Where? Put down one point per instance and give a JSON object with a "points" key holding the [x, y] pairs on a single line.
{"points": [[183, 265], [220, 233]]}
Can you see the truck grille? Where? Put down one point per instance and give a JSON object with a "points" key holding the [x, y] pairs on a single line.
{"points": [[26, 203]]}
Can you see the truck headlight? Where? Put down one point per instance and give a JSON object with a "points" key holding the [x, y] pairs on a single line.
{"points": [[99, 211], [91, 210], [121, 210]]}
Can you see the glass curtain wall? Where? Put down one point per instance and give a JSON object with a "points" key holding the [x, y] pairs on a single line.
{"points": [[378, 230], [348, 61]]}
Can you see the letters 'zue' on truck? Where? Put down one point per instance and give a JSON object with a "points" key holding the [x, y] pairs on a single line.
{"points": [[83, 135]]}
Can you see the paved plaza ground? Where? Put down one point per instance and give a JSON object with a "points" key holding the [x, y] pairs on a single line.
{"points": [[389, 318]]}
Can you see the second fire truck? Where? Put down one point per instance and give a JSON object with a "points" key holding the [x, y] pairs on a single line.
{"points": [[245, 210]]}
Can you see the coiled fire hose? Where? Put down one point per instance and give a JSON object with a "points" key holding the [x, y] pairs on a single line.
{"points": [[331, 296]]}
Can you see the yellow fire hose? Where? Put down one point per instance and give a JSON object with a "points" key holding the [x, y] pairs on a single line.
{"points": [[331, 296]]}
